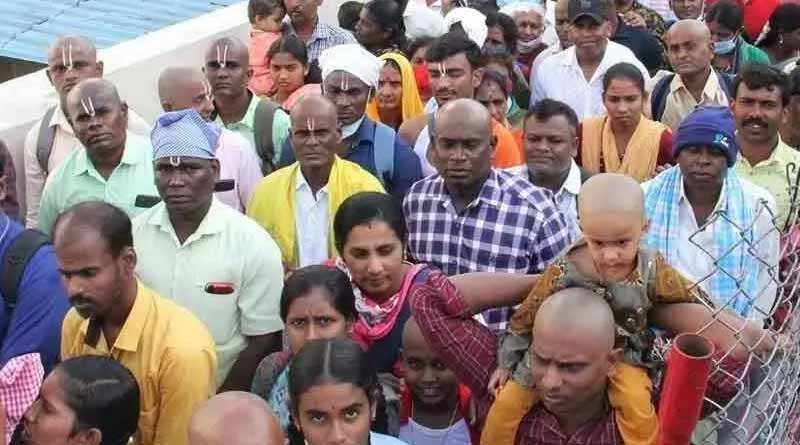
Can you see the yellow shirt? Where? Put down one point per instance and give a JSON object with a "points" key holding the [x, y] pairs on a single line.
{"points": [[273, 202], [771, 174], [169, 352]]}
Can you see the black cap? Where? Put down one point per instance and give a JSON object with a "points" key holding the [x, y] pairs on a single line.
{"points": [[596, 9]]}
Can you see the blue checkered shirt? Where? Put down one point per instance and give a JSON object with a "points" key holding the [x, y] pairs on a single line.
{"points": [[512, 226], [324, 37]]}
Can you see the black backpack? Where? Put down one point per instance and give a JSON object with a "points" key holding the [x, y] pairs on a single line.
{"points": [[659, 94], [13, 265]]}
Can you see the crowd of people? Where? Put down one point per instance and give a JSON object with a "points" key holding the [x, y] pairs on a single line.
{"points": [[435, 222]]}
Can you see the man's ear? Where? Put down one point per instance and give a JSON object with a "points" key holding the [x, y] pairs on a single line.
{"points": [[128, 259], [49, 77], [215, 167], [99, 67], [645, 226], [3, 186], [477, 76], [92, 436]]}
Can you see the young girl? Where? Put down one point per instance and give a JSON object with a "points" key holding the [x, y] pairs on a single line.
{"points": [[624, 141], [266, 17], [317, 302], [333, 388], [90, 400], [290, 71]]}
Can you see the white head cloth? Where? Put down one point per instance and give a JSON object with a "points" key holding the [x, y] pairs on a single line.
{"points": [[354, 59], [422, 21], [473, 22]]}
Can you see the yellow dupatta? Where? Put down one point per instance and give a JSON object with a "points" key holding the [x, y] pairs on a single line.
{"points": [[410, 100], [640, 156], [272, 203]]}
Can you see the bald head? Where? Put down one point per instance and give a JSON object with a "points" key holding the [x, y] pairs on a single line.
{"points": [[412, 334], [172, 78], [579, 312], [467, 112], [314, 107], [235, 418], [71, 59], [228, 49], [611, 194], [181, 88], [694, 28]]}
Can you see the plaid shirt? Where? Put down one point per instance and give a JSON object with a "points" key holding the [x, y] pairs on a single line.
{"points": [[324, 37], [512, 226], [470, 350], [20, 380]]}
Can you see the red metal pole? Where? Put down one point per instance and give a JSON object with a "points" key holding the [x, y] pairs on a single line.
{"points": [[688, 368]]}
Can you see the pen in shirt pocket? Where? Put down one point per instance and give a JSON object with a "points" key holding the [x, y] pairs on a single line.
{"points": [[219, 288]]}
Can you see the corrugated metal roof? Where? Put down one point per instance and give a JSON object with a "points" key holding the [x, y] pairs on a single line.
{"points": [[27, 27]]}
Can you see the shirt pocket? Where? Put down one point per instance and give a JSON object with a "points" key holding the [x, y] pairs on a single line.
{"points": [[218, 311]]}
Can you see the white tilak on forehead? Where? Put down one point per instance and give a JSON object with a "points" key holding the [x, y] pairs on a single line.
{"points": [[442, 68], [310, 124], [175, 161], [345, 83], [66, 55], [222, 55], [88, 106]]}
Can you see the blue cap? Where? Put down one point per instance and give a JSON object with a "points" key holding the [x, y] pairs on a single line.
{"points": [[184, 133], [709, 127]]}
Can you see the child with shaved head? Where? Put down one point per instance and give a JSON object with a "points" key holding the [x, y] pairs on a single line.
{"points": [[639, 286]]}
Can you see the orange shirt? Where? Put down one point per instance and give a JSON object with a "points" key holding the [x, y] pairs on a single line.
{"points": [[260, 42], [507, 152]]}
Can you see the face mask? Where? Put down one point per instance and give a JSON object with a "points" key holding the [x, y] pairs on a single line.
{"points": [[422, 77], [529, 46], [725, 46], [350, 129]]}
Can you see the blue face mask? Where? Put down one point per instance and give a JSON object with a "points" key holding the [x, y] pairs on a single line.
{"points": [[726, 46]]}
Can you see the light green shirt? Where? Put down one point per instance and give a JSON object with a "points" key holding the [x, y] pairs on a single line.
{"points": [[771, 174], [226, 248], [280, 127], [76, 180]]}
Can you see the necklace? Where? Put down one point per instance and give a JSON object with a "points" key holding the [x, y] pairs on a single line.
{"points": [[444, 437]]}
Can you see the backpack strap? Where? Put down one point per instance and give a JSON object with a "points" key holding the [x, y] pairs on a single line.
{"points": [[383, 151], [13, 265], [44, 142], [262, 134], [658, 97]]}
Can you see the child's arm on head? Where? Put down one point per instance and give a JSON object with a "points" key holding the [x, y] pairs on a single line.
{"points": [[727, 331], [485, 290]]}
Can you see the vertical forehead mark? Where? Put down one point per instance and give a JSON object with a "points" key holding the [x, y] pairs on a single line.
{"points": [[225, 56], [88, 106], [442, 68], [310, 124], [175, 161]]}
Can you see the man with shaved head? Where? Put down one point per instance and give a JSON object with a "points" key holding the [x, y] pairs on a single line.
{"points": [[181, 88], [114, 166], [166, 348], [70, 59], [235, 418], [311, 189], [694, 82], [470, 217], [260, 121]]}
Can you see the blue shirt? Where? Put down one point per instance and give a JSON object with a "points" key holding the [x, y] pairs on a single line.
{"points": [[35, 324], [407, 168]]}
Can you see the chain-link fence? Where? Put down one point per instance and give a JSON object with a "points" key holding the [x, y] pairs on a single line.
{"points": [[760, 402]]}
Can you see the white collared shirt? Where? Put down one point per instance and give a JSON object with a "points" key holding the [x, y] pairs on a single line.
{"points": [[695, 264], [680, 102], [311, 222], [566, 197], [560, 77]]}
